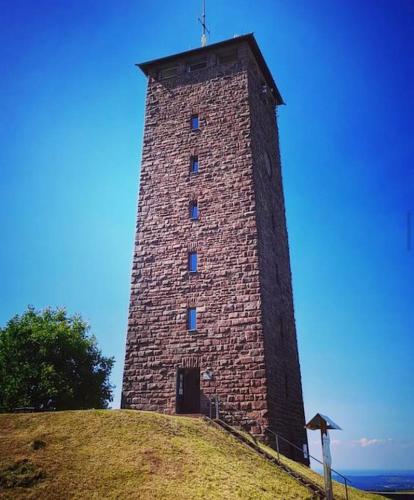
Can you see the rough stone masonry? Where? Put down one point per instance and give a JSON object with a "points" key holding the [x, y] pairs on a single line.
{"points": [[244, 344]]}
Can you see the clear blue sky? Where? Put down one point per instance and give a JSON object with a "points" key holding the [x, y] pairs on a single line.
{"points": [[71, 123]]}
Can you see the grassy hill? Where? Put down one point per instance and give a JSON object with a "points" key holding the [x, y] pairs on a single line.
{"points": [[128, 454]]}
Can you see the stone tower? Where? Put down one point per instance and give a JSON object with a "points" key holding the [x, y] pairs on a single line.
{"points": [[211, 309]]}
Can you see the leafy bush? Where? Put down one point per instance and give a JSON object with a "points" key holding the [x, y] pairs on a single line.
{"points": [[48, 361]]}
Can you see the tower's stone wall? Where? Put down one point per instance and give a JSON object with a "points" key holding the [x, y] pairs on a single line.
{"points": [[238, 294], [226, 289], [284, 387]]}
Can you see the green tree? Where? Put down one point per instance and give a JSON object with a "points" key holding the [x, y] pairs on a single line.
{"points": [[47, 360]]}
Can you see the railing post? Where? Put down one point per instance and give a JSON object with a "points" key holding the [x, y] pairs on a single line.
{"points": [[277, 447], [217, 407], [346, 488]]}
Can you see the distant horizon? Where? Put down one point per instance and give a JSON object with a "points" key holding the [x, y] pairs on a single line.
{"points": [[387, 471]]}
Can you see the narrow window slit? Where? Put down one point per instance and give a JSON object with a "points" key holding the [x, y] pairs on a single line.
{"points": [[192, 319], [194, 210], [194, 165], [194, 122], [192, 262]]}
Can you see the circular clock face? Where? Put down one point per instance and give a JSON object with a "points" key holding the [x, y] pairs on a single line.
{"points": [[267, 164]]}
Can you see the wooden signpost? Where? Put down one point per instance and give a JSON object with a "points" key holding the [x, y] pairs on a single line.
{"points": [[324, 423]]}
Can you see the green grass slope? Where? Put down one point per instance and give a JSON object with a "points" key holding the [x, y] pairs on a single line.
{"points": [[127, 454], [339, 491]]}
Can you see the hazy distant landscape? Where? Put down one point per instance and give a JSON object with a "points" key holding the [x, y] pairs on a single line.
{"points": [[380, 480]]}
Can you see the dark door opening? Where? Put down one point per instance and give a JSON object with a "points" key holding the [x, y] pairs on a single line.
{"points": [[188, 390]]}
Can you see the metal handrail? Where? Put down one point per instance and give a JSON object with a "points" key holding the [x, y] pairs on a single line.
{"points": [[346, 480], [297, 447], [277, 436]]}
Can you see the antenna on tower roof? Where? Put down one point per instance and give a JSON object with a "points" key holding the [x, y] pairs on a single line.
{"points": [[203, 24]]}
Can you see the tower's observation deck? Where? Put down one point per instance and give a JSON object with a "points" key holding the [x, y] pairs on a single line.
{"points": [[211, 309]]}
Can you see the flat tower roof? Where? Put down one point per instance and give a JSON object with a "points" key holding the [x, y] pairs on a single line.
{"points": [[249, 38]]}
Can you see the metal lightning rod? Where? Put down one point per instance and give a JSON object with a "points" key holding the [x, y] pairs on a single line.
{"points": [[203, 24]]}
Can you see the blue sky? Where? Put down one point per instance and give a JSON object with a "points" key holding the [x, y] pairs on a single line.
{"points": [[71, 123]]}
